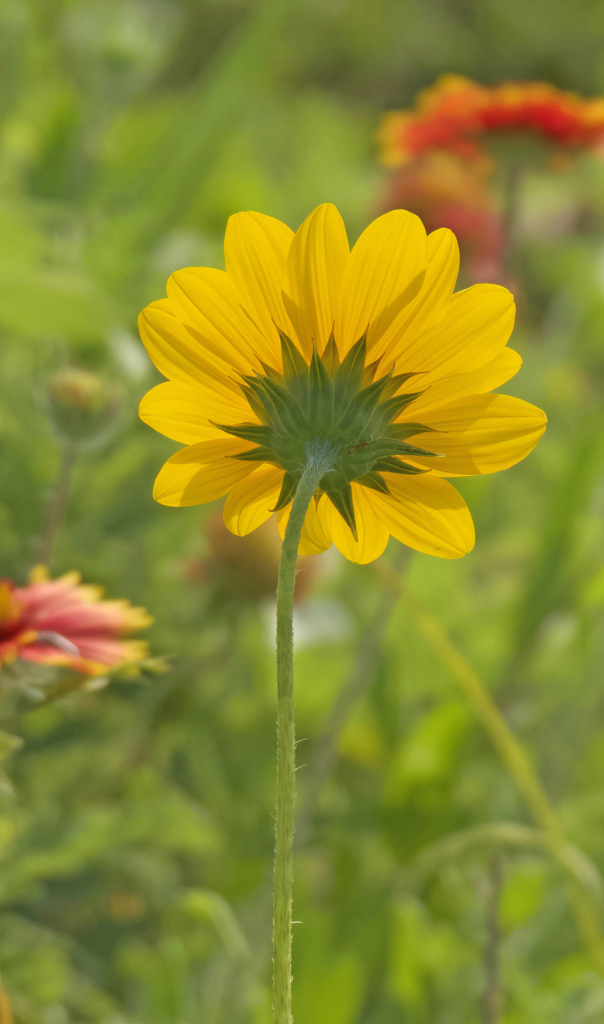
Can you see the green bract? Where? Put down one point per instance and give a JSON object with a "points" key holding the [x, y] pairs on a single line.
{"points": [[335, 402]]}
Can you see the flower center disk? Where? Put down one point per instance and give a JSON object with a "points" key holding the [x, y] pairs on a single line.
{"points": [[333, 402]]}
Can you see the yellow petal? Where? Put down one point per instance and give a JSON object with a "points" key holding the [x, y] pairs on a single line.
{"points": [[177, 354], [438, 392], [206, 301], [201, 472], [251, 501], [372, 533], [255, 251], [384, 273], [480, 434], [476, 326], [313, 539], [427, 514], [312, 285], [430, 306], [187, 414]]}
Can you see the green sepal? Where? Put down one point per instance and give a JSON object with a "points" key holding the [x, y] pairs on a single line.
{"points": [[295, 369], [321, 404], [259, 454], [284, 409], [272, 374], [393, 406], [401, 448], [341, 497], [349, 376], [395, 382], [257, 433], [367, 399], [331, 356], [370, 372], [389, 464], [401, 431], [255, 402], [374, 481], [288, 489]]}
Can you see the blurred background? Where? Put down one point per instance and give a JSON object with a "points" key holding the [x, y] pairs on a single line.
{"points": [[136, 828]]}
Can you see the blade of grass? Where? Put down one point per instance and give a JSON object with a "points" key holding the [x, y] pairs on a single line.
{"points": [[513, 756]]}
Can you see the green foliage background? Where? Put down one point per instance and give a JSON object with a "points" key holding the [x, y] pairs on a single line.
{"points": [[136, 844]]}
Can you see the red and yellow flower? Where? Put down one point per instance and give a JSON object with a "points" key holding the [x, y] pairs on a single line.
{"points": [[456, 114], [62, 622], [368, 351]]}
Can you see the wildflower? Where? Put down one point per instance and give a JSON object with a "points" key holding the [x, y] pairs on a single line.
{"points": [[456, 114], [61, 622], [367, 352]]}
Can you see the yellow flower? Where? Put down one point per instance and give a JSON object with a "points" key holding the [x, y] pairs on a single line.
{"points": [[370, 349]]}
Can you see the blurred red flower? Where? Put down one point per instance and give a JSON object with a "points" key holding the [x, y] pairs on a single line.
{"points": [[456, 112], [62, 622]]}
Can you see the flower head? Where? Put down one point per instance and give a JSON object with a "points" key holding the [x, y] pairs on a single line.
{"points": [[302, 340], [455, 114], [60, 622]]}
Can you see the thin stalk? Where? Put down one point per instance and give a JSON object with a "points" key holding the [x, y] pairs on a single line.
{"points": [[521, 769], [319, 460], [57, 505], [512, 754], [492, 947]]}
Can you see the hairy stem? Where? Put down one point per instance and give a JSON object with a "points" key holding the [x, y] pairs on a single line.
{"points": [[57, 505], [320, 456]]}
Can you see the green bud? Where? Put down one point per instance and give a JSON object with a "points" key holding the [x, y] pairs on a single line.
{"points": [[83, 407]]}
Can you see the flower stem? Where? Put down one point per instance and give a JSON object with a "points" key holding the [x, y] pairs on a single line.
{"points": [[57, 505], [320, 456]]}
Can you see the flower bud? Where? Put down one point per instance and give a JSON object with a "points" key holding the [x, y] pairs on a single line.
{"points": [[83, 407]]}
